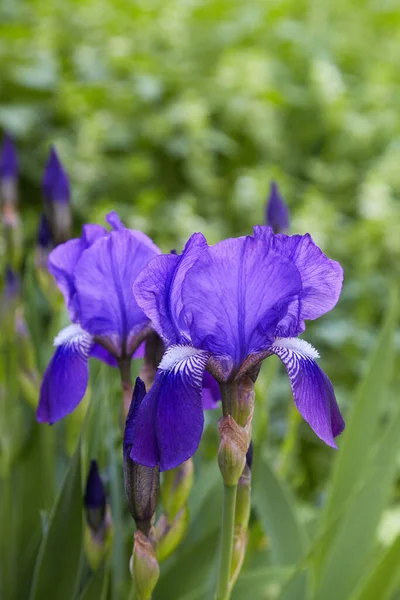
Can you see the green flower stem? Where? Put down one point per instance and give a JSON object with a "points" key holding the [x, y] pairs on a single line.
{"points": [[226, 549]]}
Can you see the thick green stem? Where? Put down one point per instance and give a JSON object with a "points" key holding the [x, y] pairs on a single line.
{"points": [[226, 549]]}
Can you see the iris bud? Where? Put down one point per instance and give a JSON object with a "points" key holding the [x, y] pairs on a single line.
{"points": [[176, 487], [141, 489], [232, 449], [169, 535], [144, 566]]}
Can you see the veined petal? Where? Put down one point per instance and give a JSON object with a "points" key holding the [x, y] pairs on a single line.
{"points": [[168, 424], [312, 390], [321, 277], [158, 290], [211, 393], [235, 294], [66, 377], [103, 279]]}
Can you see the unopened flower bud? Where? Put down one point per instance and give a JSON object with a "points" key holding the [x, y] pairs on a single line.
{"points": [[277, 213], [232, 449], [238, 554], [169, 535], [56, 192], [95, 499], [245, 400], [142, 483], [243, 498], [176, 487], [144, 566]]}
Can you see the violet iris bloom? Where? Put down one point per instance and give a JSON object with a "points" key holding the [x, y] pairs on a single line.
{"points": [[95, 273], [226, 308], [277, 213]]}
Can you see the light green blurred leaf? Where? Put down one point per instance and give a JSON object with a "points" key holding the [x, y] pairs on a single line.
{"points": [[58, 561], [362, 424], [261, 583], [349, 552], [97, 587], [383, 577]]}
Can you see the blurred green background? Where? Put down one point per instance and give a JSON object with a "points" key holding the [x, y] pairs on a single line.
{"points": [[178, 114]]}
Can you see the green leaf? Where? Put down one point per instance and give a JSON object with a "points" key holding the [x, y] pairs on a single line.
{"points": [[275, 508], [276, 511], [259, 582], [362, 423], [348, 554], [382, 579], [57, 565], [97, 587]]}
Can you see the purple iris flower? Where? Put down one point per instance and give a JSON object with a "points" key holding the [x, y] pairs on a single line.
{"points": [[8, 159], [55, 183], [226, 308], [95, 274], [277, 213]]}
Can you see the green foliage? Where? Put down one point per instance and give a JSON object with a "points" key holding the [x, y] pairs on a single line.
{"points": [[178, 113]]}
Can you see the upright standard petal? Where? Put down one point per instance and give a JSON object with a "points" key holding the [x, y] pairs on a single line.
{"points": [[158, 290], [65, 379], [116, 223], [321, 277], [62, 263], [277, 213], [103, 280], [246, 289], [312, 390], [168, 424]]}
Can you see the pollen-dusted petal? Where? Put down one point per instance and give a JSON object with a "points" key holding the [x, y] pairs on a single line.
{"points": [[235, 294], [158, 290], [312, 390], [65, 379], [103, 279], [168, 424]]}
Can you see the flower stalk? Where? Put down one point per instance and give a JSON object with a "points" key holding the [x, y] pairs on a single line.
{"points": [[235, 432]]}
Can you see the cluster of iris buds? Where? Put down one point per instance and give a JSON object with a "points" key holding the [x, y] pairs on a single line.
{"points": [[202, 322]]}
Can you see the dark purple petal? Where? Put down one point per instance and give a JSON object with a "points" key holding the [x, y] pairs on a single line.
{"points": [[8, 158], [55, 183], [95, 494], [168, 424], [158, 290], [235, 294], [103, 280], [277, 213], [312, 390], [66, 377], [139, 392], [321, 277], [211, 393]]}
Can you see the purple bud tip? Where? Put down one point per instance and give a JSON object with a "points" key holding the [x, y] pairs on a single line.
{"points": [[139, 393], [95, 494], [11, 283], [55, 183], [44, 235], [249, 455], [8, 158], [277, 213]]}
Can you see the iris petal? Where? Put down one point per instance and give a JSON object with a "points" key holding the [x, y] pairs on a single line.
{"points": [[65, 379], [168, 424], [312, 390]]}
